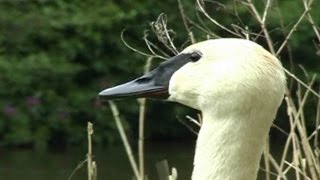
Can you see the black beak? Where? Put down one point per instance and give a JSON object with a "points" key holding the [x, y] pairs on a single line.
{"points": [[144, 86], [154, 84]]}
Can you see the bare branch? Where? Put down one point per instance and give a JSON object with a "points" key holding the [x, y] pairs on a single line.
{"points": [[134, 49], [201, 8], [185, 23], [198, 123], [265, 12], [294, 28], [262, 23], [302, 83], [187, 126], [116, 116], [150, 45], [204, 29], [310, 19], [159, 27]]}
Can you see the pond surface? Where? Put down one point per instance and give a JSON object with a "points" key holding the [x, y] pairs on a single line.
{"points": [[112, 162]]}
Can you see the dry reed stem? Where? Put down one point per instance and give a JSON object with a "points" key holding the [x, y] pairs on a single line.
{"points": [[185, 23], [187, 126], [136, 50], [159, 27], [316, 136], [266, 151], [195, 121], [276, 166], [310, 159], [211, 33], [203, 29], [296, 118], [163, 170], [310, 19], [292, 138], [299, 171], [265, 12], [174, 174], [262, 23], [203, 11], [301, 82], [295, 26], [152, 46], [287, 144], [284, 32], [91, 165], [94, 171], [142, 110], [116, 116], [79, 166]]}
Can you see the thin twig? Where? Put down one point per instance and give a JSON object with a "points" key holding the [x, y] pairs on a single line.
{"points": [[134, 49], [79, 166], [262, 23], [142, 110], [283, 30], [187, 126], [316, 138], [302, 83], [150, 45], [294, 28], [304, 139], [194, 121], [302, 132], [266, 153], [204, 29], [311, 21], [299, 170], [276, 166], [89, 155], [265, 12], [116, 116], [159, 27], [279, 129], [214, 21], [185, 23]]}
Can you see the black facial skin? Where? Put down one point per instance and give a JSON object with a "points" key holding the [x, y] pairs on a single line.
{"points": [[153, 84]]}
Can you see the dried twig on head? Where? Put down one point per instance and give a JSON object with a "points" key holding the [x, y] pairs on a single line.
{"points": [[164, 35]]}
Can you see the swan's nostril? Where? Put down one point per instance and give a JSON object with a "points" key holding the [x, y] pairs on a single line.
{"points": [[144, 79]]}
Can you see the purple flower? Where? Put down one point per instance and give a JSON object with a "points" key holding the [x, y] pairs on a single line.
{"points": [[9, 110], [32, 101]]}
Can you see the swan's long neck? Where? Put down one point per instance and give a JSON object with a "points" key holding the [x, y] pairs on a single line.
{"points": [[229, 147]]}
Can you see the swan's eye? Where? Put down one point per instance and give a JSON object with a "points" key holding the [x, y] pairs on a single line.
{"points": [[195, 56]]}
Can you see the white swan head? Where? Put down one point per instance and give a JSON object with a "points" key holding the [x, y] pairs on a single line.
{"points": [[236, 84], [222, 73], [230, 75]]}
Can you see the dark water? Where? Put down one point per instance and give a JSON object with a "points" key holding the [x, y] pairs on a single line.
{"points": [[112, 162]]}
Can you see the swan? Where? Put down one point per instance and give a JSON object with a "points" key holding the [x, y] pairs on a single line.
{"points": [[236, 84]]}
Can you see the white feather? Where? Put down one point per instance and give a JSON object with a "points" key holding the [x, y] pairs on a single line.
{"points": [[238, 86]]}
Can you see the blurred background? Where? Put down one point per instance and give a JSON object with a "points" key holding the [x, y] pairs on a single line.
{"points": [[56, 55]]}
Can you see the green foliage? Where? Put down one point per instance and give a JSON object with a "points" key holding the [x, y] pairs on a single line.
{"points": [[53, 55]]}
